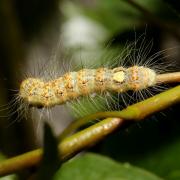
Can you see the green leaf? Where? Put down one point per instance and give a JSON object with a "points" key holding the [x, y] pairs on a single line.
{"points": [[165, 161], [153, 144], [120, 15], [97, 167], [50, 161]]}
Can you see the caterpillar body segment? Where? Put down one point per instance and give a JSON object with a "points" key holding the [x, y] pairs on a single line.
{"points": [[37, 92]]}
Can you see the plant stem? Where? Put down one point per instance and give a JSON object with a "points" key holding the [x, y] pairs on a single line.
{"points": [[168, 78], [88, 137], [67, 148], [136, 111], [70, 146]]}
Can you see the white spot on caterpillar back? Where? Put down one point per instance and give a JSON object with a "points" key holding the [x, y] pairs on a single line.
{"points": [[36, 92]]}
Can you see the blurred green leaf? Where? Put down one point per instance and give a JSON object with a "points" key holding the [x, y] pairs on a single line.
{"points": [[165, 161], [96, 167], [120, 15], [116, 17]]}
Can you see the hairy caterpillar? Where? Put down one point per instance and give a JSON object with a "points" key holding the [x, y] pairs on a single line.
{"points": [[36, 92], [101, 87]]}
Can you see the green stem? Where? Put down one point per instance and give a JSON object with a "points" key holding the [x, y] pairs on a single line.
{"points": [[67, 148], [87, 137], [135, 112]]}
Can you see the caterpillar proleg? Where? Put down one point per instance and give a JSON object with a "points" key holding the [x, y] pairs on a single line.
{"points": [[36, 92]]}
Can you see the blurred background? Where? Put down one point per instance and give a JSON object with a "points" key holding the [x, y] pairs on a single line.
{"points": [[45, 37]]}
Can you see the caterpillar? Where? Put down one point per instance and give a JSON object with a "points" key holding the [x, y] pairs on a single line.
{"points": [[37, 92], [101, 87]]}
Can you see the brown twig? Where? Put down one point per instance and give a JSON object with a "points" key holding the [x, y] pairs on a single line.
{"points": [[168, 78]]}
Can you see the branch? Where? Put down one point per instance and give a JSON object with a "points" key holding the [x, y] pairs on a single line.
{"points": [[67, 148], [168, 78], [90, 136], [161, 79]]}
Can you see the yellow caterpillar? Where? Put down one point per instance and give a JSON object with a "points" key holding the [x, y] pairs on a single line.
{"points": [[39, 93]]}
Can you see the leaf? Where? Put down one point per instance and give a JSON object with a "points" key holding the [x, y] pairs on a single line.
{"points": [[153, 144], [50, 161], [119, 15], [97, 167], [165, 161]]}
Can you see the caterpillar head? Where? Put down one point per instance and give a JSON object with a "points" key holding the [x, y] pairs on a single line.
{"points": [[140, 77], [31, 91]]}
